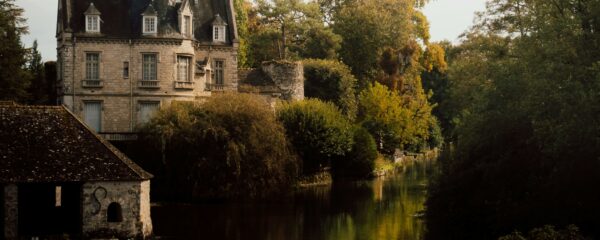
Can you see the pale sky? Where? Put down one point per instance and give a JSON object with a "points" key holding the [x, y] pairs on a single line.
{"points": [[447, 19]]}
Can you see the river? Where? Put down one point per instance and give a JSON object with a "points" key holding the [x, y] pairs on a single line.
{"points": [[382, 208]]}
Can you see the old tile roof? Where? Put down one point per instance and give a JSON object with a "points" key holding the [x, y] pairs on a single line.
{"points": [[92, 10], [122, 19], [219, 21], [49, 144]]}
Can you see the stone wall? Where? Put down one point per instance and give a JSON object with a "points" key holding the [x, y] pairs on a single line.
{"points": [[121, 96], [274, 80], [288, 77], [134, 200]]}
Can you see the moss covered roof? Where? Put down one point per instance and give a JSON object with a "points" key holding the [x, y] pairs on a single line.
{"points": [[49, 144]]}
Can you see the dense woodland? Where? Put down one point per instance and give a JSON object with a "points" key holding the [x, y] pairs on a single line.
{"points": [[516, 101]]}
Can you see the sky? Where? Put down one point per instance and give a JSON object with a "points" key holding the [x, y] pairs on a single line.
{"points": [[447, 20]]}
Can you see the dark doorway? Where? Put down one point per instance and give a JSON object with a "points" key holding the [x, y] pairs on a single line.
{"points": [[49, 209], [114, 213]]}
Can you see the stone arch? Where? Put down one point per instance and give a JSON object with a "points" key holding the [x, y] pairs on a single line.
{"points": [[114, 213]]}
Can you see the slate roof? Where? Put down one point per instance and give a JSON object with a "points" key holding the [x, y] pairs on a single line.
{"points": [[122, 19], [49, 144]]}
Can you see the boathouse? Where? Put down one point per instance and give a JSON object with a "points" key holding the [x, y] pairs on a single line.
{"points": [[58, 178]]}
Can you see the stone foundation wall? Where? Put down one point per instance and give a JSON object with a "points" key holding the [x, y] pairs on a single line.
{"points": [[134, 199]]}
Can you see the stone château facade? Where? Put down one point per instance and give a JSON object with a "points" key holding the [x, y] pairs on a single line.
{"points": [[119, 61]]}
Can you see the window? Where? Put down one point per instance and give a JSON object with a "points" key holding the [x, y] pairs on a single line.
{"points": [[58, 196], [149, 67], [114, 213], [149, 24], [219, 33], [218, 72], [186, 26], [183, 68], [147, 110], [125, 69], [92, 113], [92, 62], [92, 23]]}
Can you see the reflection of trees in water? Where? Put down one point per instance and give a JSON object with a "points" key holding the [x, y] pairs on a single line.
{"points": [[377, 209]]}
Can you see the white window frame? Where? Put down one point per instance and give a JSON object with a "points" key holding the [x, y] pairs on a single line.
{"points": [[92, 23], [149, 27], [150, 69], [92, 66], [218, 72], [219, 33], [184, 68]]}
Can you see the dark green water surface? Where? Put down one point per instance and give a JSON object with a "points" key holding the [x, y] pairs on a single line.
{"points": [[382, 208]]}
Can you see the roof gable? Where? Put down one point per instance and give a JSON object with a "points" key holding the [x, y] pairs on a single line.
{"points": [[49, 144]]}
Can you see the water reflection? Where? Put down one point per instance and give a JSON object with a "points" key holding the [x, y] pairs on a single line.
{"points": [[382, 208]]}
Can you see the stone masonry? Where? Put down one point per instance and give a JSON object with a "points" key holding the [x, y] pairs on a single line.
{"points": [[132, 197]]}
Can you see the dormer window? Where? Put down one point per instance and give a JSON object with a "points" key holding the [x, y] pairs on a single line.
{"points": [[149, 21], [219, 30], [92, 19], [149, 24]]}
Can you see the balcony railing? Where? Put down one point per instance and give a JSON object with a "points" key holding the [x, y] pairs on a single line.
{"points": [[148, 84], [215, 87], [122, 136], [184, 85], [91, 83]]}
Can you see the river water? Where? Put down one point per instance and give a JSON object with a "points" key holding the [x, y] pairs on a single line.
{"points": [[382, 208]]}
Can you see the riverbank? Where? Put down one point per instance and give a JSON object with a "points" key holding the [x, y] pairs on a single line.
{"points": [[383, 166], [400, 160]]}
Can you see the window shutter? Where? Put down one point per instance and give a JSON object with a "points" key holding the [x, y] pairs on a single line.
{"points": [[93, 115]]}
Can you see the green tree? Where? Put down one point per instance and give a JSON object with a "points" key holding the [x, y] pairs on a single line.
{"points": [[524, 88], [229, 146], [393, 121], [241, 19], [14, 79], [368, 27], [296, 30], [318, 131], [38, 89], [360, 161], [330, 80]]}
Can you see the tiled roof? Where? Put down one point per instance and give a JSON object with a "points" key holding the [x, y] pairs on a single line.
{"points": [[92, 10], [49, 144], [123, 19]]}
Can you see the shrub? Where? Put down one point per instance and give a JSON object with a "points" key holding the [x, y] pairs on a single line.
{"points": [[229, 146], [317, 130], [547, 232], [331, 80], [360, 161]]}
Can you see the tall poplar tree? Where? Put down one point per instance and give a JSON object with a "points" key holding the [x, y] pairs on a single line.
{"points": [[14, 79]]}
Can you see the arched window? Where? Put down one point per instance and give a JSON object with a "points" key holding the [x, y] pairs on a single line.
{"points": [[114, 213]]}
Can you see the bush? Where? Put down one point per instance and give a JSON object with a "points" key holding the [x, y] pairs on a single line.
{"points": [[331, 80], [547, 232], [360, 161], [317, 130], [229, 146]]}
